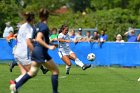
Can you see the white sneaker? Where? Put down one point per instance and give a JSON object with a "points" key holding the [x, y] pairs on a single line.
{"points": [[138, 79]]}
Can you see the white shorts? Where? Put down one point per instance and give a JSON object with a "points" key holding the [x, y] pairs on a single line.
{"points": [[23, 60], [64, 53]]}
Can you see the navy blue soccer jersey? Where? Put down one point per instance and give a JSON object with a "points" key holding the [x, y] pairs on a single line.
{"points": [[40, 53], [43, 28]]}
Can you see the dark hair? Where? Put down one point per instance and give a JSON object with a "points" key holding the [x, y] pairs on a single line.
{"points": [[62, 28], [29, 16], [44, 13], [54, 29], [88, 31]]}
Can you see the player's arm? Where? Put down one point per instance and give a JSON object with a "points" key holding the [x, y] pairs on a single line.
{"points": [[29, 41], [62, 40], [39, 39], [29, 44]]}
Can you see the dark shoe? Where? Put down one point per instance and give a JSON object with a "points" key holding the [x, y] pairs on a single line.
{"points": [[67, 73], [44, 71], [12, 66], [86, 66]]}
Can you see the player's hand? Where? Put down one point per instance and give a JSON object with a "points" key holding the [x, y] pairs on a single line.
{"points": [[52, 47], [68, 41]]}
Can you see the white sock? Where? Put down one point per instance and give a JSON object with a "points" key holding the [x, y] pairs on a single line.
{"points": [[78, 62], [68, 68], [18, 78]]}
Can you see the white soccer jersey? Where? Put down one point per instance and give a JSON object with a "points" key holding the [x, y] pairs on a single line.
{"points": [[21, 51], [64, 46]]}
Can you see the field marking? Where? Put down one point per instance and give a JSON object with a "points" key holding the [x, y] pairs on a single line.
{"points": [[62, 76]]}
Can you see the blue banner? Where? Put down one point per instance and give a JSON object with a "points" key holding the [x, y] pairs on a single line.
{"points": [[107, 54]]}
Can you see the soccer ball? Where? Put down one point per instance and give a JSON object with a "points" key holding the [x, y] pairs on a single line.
{"points": [[91, 57]]}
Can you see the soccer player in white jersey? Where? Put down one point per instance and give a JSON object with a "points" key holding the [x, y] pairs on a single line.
{"points": [[65, 52], [40, 55], [24, 45]]}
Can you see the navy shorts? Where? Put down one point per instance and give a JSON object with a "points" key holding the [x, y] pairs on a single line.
{"points": [[40, 55]]}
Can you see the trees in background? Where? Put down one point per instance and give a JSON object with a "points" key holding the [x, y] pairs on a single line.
{"points": [[113, 15]]}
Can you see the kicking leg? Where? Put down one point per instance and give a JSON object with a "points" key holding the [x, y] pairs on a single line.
{"points": [[79, 62]]}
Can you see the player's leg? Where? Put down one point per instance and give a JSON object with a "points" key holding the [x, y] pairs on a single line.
{"points": [[79, 62], [12, 65], [64, 56], [23, 70], [55, 72], [33, 72], [66, 59]]}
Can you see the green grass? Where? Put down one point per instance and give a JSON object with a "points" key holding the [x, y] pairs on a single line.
{"points": [[93, 80]]}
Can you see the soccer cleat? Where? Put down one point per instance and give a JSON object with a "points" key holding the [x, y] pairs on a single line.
{"points": [[12, 86], [138, 79], [45, 71], [67, 73], [86, 66]]}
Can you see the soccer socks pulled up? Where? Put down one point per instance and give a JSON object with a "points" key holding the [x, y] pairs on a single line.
{"points": [[78, 62], [23, 80], [18, 78], [55, 83]]}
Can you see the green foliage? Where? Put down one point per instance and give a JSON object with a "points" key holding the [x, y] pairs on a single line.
{"points": [[9, 12], [113, 15]]}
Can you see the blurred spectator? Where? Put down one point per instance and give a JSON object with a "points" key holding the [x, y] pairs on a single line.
{"points": [[54, 36], [131, 37], [138, 37], [7, 29], [88, 37], [119, 38], [79, 36], [11, 36], [103, 36], [72, 35], [96, 37], [18, 26]]}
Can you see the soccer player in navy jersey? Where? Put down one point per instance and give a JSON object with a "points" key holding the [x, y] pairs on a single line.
{"points": [[40, 55]]}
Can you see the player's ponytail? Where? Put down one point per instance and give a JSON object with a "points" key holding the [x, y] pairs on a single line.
{"points": [[29, 16], [62, 28], [43, 14]]}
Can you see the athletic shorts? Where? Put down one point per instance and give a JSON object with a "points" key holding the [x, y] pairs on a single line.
{"points": [[23, 60], [40, 54], [64, 53]]}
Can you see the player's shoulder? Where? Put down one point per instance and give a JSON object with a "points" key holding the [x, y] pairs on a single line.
{"points": [[25, 25], [61, 34], [42, 27]]}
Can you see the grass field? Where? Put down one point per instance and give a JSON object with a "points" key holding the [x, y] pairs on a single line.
{"points": [[93, 80]]}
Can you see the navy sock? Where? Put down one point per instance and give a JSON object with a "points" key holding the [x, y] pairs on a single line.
{"points": [[55, 83], [23, 80]]}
